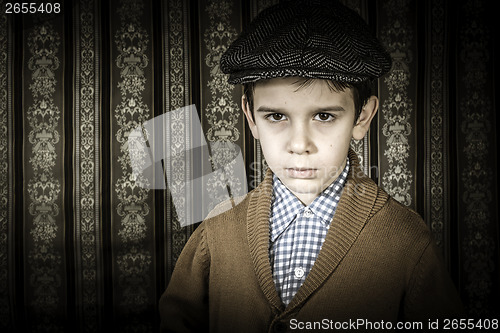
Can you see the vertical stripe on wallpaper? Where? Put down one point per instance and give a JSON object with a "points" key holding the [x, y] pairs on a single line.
{"points": [[6, 176], [132, 216], [44, 225], [397, 91], [477, 156], [87, 184], [222, 121], [177, 94], [436, 110]]}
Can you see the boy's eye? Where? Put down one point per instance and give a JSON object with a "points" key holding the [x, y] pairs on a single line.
{"points": [[275, 117], [324, 117]]}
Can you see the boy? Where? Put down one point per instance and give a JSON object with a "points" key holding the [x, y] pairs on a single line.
{"points": [[317, 245]]}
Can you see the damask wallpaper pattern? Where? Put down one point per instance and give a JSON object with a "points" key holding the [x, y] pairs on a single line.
{"points": [[85, 247], [89, 273], [437, 124], [177, 91], [396, 31], [6, 173], [478, 194], [44, 203], [133, 252]]}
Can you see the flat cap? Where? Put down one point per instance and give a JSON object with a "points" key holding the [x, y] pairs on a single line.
{"points": [[307, 38]]}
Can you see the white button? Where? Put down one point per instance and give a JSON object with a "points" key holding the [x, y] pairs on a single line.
{"points": [[299, 272], [307, 213]]}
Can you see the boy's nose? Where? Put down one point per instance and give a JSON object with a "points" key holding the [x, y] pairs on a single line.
{"points": [[300, 141]]}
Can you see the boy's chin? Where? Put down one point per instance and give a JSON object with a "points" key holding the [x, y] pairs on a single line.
{"points": [[304, 186]]}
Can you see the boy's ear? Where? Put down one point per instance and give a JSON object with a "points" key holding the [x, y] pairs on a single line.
{"points": [[248, 114], [365, 118]]}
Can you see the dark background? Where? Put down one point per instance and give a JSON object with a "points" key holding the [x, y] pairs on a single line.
{"points": [[83, 248]]}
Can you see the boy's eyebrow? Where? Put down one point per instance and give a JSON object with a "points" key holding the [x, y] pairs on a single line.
{"points": [[322, 109], [269, 109]]}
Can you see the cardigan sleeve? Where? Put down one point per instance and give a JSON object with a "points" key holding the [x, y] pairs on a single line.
{"points": [[184, 304], [432, 294]]}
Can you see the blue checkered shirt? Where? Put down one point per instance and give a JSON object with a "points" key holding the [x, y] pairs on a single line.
{"points": [[298, 232]]}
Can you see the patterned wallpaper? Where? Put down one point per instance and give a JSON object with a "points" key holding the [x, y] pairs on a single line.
{"points": [[86, 246]]}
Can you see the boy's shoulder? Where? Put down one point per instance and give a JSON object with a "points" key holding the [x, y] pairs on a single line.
{"points": [[385, 210], [397, 209], [399, 221], [227, 207], [237, 207], [227, 221]]}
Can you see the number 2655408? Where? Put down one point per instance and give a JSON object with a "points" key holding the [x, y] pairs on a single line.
{"points": [[32, 8]]}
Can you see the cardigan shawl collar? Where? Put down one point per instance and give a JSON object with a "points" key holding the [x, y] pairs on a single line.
{"points": [[361, 199]]}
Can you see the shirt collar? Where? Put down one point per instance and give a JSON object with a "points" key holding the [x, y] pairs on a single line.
{"points": [[286, 205], [284, 209]]}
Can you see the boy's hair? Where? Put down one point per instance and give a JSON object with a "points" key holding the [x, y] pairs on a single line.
{"points": [[361, 91]]}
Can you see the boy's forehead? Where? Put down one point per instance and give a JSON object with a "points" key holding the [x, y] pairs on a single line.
{"points": [[298, 84], [314, 39], [314, 93], [294, 82]]}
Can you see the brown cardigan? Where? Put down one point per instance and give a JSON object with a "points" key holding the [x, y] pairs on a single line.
{"points": [[378, 262]]}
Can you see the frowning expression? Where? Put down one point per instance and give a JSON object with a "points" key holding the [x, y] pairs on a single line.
{"points": [[304, 132]]}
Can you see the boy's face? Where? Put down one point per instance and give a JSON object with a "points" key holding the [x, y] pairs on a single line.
{"points": [[305, 133]]}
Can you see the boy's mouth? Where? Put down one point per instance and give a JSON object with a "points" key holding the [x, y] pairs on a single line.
{"points": [[301, 172]]}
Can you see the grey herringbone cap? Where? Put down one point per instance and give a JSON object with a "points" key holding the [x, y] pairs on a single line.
{"points": [[314, 39]]}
